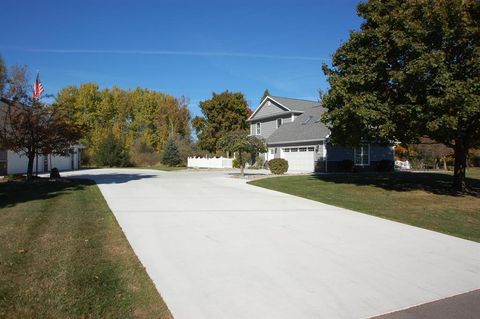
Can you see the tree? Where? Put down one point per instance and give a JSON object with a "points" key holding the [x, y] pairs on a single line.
{"points": [[224, 112], [130, 115], [265, 94], [412, 70], [30, 127], [171, 155], [35, 129], [3, 75], [112, 152], [241, 144]]}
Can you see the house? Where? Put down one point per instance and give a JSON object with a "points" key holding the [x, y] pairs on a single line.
{"points": [[14, 163], [294, 131]]}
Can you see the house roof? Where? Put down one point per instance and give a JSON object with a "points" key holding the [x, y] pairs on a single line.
{"points": [[307, 127], [295, 104], [288, 104]]}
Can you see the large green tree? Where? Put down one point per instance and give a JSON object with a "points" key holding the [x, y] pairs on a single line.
{"points": [[223, 113], [138, 116], [412, 70]]}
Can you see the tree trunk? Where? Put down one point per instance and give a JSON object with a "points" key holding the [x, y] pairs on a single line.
{"points": [[444, 164], [460, 153], [31, 158], [242, 164]]}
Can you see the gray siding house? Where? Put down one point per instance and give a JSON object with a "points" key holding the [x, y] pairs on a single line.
{"points": [[294, 131]]}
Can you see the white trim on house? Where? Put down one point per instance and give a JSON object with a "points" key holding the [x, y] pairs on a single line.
{"points": [[299, 141], [261, 105]]}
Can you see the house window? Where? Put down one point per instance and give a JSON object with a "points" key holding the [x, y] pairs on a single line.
{"points": [[302, 149], [362, 155], [269, 103], [259, 128], [286, 150], [311, 149], [294, 149], [279, 122], [272, 151]]}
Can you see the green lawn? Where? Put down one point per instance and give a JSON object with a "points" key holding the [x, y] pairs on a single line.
{"points": [[63, 255], [419, 199], [162, 167]]}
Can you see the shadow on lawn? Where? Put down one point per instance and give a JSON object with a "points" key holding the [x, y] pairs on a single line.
{"points": [[16, 192], [436, 183], [113, 178]]}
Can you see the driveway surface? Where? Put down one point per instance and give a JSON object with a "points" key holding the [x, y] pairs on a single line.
{"points": [[217, 247]]}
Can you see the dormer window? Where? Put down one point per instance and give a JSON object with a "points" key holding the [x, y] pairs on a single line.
{"points": [[279, 122]]}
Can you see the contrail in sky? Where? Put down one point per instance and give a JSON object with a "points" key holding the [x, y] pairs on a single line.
{"points": [[179, 53]]}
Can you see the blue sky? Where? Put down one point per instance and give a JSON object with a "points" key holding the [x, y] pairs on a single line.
{"points": [[190, 48]]}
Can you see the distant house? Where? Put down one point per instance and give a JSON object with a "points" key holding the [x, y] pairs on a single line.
{"points": [[294, 131], [14, 163]]}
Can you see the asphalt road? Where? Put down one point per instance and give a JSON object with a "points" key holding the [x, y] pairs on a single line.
{"points": [[216, 247]]}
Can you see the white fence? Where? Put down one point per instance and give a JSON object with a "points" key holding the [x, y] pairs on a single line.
{"points": [[214, 162], [402, 165]]}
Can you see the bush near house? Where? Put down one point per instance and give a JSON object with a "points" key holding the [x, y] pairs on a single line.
{"points": [[278, 166], [385, 166], [346, 166]]}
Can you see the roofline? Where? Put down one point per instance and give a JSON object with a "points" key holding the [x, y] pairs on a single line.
{"points": [[275, 115], [297, 141], [292, 98], [261, 103]]}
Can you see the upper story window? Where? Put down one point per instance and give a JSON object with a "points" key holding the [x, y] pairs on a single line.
{"points": [[279, 122], [269, 103], [259, 128], [362, 155]]}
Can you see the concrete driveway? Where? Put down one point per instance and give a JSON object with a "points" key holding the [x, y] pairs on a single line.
{"points": [[219, 248]]}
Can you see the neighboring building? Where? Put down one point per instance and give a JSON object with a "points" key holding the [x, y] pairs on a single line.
{"points": [[14, 163], [294, 131]]}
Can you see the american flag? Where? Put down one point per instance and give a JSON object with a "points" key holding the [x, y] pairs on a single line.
{"points": [[37, 88]]}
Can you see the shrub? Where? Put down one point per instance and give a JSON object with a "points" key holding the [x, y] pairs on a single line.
{"points": [[111, 152], [345, 166], [278, 166], [385, 166], [143, 155], [171, 155], [236, 163], [259, 163]]}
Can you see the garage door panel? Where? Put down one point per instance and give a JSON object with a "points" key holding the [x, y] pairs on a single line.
{"points": [[300, 161]]}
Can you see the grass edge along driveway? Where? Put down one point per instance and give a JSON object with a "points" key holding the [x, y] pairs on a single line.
{"points": [[63, 255], [417, 199]]}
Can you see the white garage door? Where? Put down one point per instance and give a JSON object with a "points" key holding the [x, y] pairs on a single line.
{"points": [[300, 159]]}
